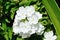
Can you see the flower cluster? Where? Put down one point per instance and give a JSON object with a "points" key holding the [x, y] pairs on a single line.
{"points": [[26, 22], [49, 36]]}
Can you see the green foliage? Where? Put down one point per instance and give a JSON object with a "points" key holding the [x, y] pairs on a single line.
{"points": [[19, 38], [12, 12]]}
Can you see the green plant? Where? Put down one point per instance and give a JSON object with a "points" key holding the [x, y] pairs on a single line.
{"points": [[49, 9]]}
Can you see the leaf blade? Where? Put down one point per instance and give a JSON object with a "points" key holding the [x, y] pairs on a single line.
{"points": [[51, 6]]}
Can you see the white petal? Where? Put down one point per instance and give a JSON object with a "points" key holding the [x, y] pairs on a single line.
{"points": [[21, 13], [30, 10], [38, 15], [40, 29], [26, 35], [33, 29], [54, 37], [25, 27], [48, 34], [33, 19], [48, 39], [16, 30]]}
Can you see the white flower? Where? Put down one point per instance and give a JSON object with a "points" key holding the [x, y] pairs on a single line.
{"points": [[33, 19], [24, 27], [49, 36], [16, 21], [37, 28], [38, 15], [33, 29], [21, 13], [40, 29], [30, 10], [16, 30], [25, 35], [30, 25]]}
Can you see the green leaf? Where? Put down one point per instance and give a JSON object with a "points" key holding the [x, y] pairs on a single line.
{"points": [[26, 2], [10, 33], [4, 26], [6, 36], [54, 14], [44, 22], [7, 20], [7, 4], [13, 12], [19, 38]]}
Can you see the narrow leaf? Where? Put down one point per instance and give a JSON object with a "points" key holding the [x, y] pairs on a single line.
{"points": [[54, 14]]}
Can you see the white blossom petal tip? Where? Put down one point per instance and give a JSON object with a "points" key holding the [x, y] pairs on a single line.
{"points": [[50, 35]]}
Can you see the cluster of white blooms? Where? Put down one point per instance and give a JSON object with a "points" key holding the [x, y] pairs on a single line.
{"points": [[30, 25], [49, 36]]}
